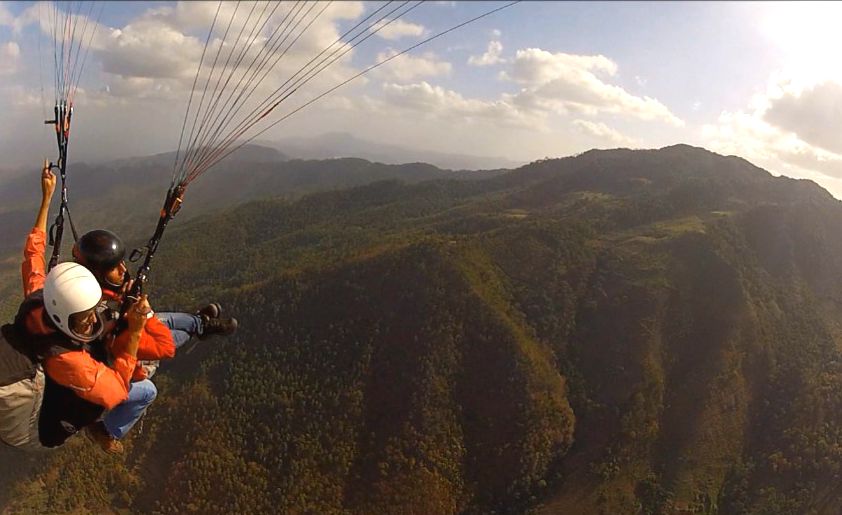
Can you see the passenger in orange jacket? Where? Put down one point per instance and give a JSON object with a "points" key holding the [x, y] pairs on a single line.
{"points": [[103, 253]]}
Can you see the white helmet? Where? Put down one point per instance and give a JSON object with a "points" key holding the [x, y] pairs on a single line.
{"points": [[71, 288]]}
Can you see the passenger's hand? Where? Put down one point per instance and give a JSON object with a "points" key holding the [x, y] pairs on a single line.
{"points": [[139, 312], [48, 181], [127, 287]]}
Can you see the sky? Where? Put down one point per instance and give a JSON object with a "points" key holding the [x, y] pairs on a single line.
{"points": [[538, 79]]}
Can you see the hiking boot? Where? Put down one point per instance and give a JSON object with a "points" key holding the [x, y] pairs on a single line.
{"points": [[98, 434], [220, 326], [212, 310]]}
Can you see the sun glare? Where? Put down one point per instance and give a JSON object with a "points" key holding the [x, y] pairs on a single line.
{"points": [[809, 37]]}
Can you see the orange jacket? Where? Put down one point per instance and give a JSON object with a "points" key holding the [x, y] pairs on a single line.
{"points": [[156, 342], [89, 378]]}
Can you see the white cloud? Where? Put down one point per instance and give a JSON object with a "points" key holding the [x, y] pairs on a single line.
{"points": [[142, 88], [167, 42], [435, 101], [603, 132], [490, 57], [407, 67], [814, 114], [199, 15], [398, 29], [156, 55], [534, 67], [9, 58], [549, 84], [569, 83], [747, 135], [151, 49]]}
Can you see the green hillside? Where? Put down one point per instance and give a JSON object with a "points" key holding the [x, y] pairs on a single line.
{"points": [[616, 332]]}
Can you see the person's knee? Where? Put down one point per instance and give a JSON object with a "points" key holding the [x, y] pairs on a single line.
{"points": [[148, 391]]}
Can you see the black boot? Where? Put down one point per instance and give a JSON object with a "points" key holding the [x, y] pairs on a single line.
{"points": [[212, 310], [221, 326]]}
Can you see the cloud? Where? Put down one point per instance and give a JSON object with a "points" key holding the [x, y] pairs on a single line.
{"points": [[603, 132], [814, 114], [407, 67], [398, 29], [434, 101], [748, 135], [6, 18], [200, 15], [167, 42], [142, 88], [569, 83], [20, 96], [151, 49], [9, 58], [41, 14], [534, 67], [780, 130], [31, 15], [338, 103], [490, 57], [549, 83], [157, 54]]}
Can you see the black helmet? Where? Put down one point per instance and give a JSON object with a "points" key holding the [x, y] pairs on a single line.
{"points": [[100, 251]]}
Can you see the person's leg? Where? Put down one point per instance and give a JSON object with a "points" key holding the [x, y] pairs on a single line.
{"points": [[120, 420], [182, 325], [202, 325]]}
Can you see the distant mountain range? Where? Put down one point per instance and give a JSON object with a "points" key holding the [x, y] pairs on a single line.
{"points": [[333, 145], [121, 194]]}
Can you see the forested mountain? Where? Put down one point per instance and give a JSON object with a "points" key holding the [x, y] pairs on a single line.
{"points": [[125, 196], [650, 331]]}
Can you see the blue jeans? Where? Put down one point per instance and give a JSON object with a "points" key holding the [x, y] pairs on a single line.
{"points": [[183, 326], [120, 420]]}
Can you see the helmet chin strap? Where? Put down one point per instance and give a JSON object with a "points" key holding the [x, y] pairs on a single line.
{"points": [[115, 287]]}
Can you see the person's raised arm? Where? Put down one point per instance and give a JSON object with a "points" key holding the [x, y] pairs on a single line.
{"points": [[33, 268], [48, 187]]}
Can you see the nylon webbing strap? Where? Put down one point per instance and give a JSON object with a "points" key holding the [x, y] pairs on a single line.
{"points": [[63, 114]]}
